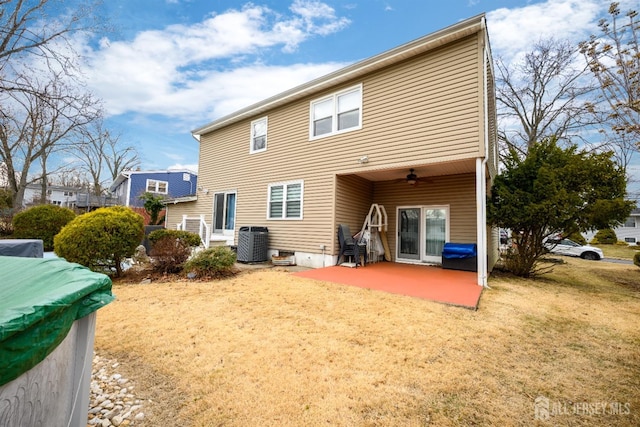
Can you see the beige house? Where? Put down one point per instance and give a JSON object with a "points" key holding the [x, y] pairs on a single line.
{"points": [[412, 130]]}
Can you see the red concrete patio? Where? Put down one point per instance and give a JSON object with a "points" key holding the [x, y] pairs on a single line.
{"points": [[429, 282]]}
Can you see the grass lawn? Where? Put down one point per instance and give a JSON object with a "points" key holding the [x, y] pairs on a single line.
{"points": [[619, 251], [266, 348]]}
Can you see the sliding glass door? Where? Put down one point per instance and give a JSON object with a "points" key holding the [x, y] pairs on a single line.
{"points": [[422, 232], [409, 233], [224, 213]]}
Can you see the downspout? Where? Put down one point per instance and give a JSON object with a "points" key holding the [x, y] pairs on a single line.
{"points": [[128, 196], [481, 183]]}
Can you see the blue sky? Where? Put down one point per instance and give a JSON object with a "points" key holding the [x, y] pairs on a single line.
{"points": [[171, 66]]}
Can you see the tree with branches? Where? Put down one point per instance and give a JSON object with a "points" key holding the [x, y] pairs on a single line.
{"points": [[29, 31], [33, 123], [613, 58], [542, 95], [99, 152], [42, 102], [554, 190]]}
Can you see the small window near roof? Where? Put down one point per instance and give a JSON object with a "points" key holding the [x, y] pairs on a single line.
{"points": [[336, 113], [258, 135]]}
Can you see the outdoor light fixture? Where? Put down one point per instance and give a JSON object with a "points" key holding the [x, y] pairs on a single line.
{"points": [[363, 159]]}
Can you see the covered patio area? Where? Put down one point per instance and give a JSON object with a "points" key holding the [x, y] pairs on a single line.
{"points": [[453, 287]]}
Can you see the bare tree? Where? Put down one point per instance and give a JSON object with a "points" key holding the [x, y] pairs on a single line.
{"points": [[614, 59], [98, 151], [39, 121], [41, 97], [543, 95], [29, 30]]}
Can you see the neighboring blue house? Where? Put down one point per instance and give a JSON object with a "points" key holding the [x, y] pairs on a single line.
{"points": [[130, 185]]}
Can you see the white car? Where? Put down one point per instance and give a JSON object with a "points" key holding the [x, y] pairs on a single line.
{"points": [[571, 248]]}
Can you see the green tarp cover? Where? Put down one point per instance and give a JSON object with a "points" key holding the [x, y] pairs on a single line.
{"points": [[39, 301]]}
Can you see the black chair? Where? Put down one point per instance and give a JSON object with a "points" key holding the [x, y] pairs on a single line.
{"points": [[349, 247]]}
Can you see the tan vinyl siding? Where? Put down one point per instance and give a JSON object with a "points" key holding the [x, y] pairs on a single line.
{"points": [[175, 212], [493, 247], [457, 191], [493, 126], [354, 196], [423, 110]]}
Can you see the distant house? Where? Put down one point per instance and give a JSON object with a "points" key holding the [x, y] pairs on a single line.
{"points": [[56, 195], [412, 129], [628, 232], [66, 197], [130, 185]]}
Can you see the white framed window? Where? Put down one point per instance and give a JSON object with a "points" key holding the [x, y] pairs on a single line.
{"points": [[155, 186], [630, 222], [630, 239], [285, 200], [258, 136], [336, 113]]}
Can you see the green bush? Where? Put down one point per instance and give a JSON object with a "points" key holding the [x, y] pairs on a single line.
{"points": [[6, 222], [41, 222], [102, 239], [214, 262], [605, 236], [168, 255], [192, 239], [636, 259], [578, 238]]}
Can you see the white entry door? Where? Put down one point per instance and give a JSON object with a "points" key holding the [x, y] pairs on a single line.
{"points": [[422, 233]]}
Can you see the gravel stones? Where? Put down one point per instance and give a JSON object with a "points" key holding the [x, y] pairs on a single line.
{"points": [[112, 400]]}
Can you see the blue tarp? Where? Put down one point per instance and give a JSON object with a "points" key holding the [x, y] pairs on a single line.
{"points": [[459, 250]]}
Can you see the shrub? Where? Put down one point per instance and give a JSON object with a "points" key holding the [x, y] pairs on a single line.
{"points": [[41, 222], [192, 239], [168, 254], [101, 239], [153, 206], [636, 259], [213, 262], [6, 222], [578, 238], [605, 236]]}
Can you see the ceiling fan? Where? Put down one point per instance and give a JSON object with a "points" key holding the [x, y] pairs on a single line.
{"points": [[413, 179]]}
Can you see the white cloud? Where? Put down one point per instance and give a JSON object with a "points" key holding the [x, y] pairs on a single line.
{"points": [[313, 11], [515, 30], [204, 68]]}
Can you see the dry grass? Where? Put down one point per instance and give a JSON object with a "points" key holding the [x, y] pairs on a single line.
{"points": [[270, 349], [619, 251]]}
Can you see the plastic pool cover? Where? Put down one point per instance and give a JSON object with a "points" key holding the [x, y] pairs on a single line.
{"points": [[39, 301]]}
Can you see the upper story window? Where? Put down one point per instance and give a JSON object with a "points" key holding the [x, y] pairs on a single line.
{"points": [[630, 222], [258, 135], [336, 113], [285, 200], [154, 186]]}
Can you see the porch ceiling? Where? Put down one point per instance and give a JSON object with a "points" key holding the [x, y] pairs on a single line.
{"points": [[436, 169]]}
